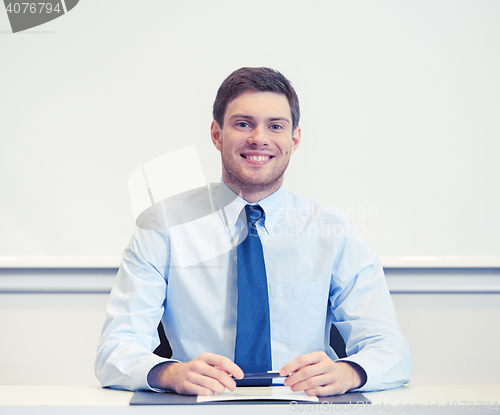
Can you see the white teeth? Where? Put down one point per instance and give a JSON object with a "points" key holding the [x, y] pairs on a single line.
{"points": [[258, 158]]}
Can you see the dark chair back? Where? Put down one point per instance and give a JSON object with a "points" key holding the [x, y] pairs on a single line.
{"points": [[164, 349], [336, 341]]}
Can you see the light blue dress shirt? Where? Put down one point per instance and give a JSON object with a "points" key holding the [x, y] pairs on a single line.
{"points": [[319, 271]]}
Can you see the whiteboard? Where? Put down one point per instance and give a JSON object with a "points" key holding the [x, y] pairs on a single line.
{"points": [[400, 118]]}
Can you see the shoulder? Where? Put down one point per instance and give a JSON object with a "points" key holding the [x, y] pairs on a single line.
{"points": [[305, 207], [176, 210]]}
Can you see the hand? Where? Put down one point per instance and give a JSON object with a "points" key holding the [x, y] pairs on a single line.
{"points": [[205, 375], [318, 375]]}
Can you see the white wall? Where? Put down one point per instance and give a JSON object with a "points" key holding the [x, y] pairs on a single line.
{"points": [[400, 104], [399, 100], [50, 338], [454, 338]]}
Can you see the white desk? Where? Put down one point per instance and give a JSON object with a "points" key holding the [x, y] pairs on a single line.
{"points": [[35, 400]]}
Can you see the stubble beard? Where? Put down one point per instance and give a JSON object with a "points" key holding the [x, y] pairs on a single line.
{"points": [[254, 185]]}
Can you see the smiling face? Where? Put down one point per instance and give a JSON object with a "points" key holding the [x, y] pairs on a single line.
{"points": [[256, 143]]}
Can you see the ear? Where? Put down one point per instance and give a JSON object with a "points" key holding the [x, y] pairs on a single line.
{"points": [[216, 134], [295, 140]]}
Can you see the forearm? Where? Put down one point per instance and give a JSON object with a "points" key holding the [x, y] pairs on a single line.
{"points": [[125, 366], [161, 376], [386, 363], [355, 374], [364, 314], [125, 349]]}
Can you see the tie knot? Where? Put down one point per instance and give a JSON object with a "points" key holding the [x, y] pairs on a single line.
{"points": [[254, 213]]}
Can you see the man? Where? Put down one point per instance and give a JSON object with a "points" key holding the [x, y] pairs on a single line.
{"points": [[315, 266]]}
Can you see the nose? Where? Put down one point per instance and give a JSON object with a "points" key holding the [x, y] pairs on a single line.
{"points": [[258, 137]]}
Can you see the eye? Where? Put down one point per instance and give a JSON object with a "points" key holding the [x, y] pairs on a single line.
{"points": [[242, 124], [276, 127]]}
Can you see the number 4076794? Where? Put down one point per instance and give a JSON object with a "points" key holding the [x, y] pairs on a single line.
{"points": [[24, 8], [473, 405]]}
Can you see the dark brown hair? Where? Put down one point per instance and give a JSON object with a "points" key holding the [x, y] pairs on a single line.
{"points": [[255, 79]]}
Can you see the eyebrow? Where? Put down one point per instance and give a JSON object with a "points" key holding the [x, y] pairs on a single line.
{"points": [[280, 119], [250, 118]]}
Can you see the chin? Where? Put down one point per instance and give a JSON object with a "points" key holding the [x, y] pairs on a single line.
{"points": [[260, 183]]}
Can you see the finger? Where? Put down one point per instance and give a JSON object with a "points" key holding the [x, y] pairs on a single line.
{"points": [[194, 379], [324, 365], [193, 389], [200, 367], [313, 382], [220, 375], [223, 363], [305, 373], [327, 390], [218, 367], [301, 361]]}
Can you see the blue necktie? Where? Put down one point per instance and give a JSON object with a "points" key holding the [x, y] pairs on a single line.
{"points": [[253, 329]]}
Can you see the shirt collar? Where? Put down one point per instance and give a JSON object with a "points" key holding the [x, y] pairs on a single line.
{"points": [[230, 206], [273, 206]]}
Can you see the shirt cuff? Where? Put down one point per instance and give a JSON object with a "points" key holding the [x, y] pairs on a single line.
{"points": [[372, 380], [140, 377]]}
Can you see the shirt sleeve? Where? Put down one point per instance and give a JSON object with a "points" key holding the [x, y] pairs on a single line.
{"points": [[363, 312], [134, 310]]}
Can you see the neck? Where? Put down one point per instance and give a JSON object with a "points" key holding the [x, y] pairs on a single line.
{"points": [[250, 192]]}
